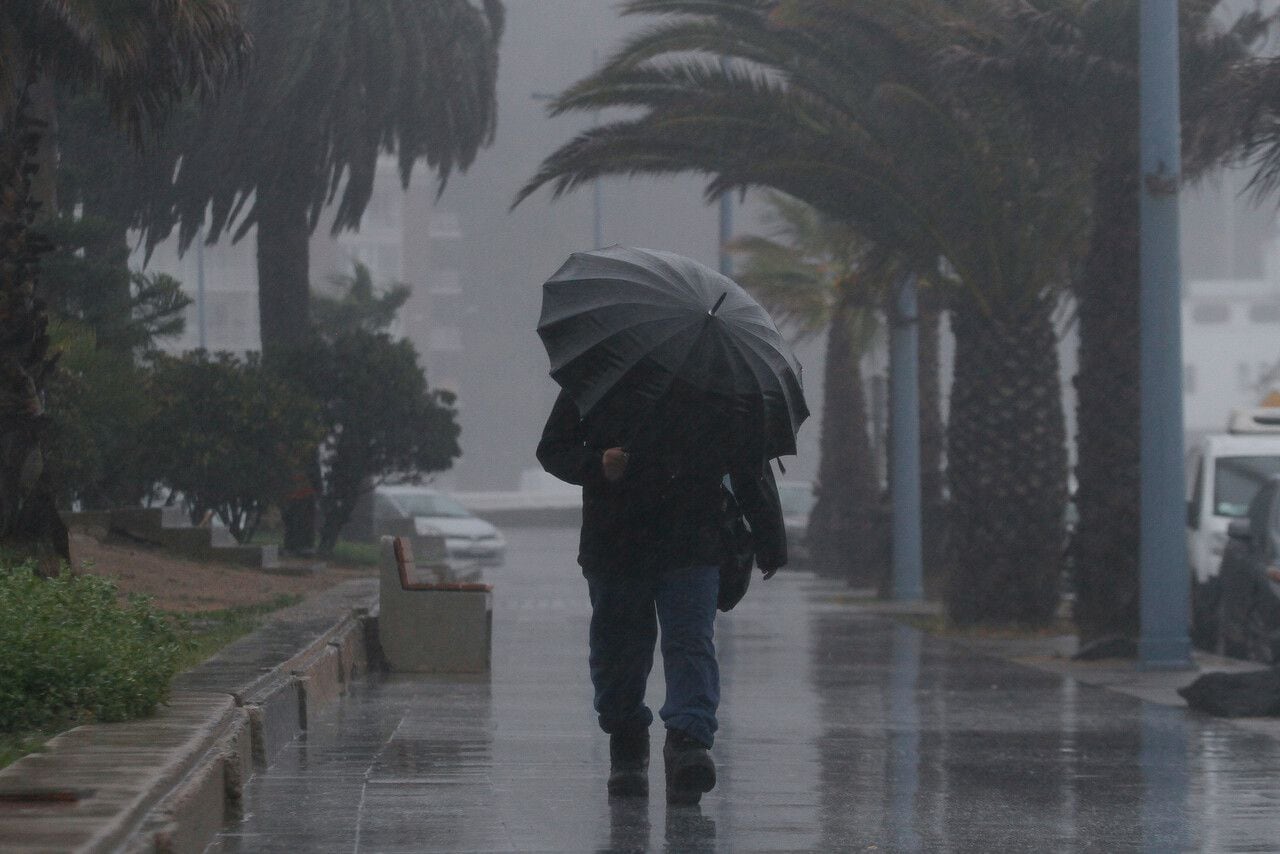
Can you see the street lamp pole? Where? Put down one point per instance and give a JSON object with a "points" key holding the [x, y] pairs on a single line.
{"points": [[1163, 642], [597, 191], [726, 211], [726, 233], [904, 441], [201, 327]]}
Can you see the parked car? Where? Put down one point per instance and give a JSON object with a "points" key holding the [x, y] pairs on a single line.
{"points": [[1224, 473], [466, 537], [797, 500], [1249, 604]]}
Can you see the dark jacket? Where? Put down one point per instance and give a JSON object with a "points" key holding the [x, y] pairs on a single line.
{"points": [[665, 510]]}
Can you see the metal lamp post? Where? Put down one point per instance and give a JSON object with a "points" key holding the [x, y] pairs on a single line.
{"points": [[1163, 641], [726, 234], [904, 441]]}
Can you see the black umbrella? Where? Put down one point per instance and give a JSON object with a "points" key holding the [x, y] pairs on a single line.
{"points": [[611, 315]]}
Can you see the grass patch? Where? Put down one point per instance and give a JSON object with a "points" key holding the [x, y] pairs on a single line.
{"points": [[74, 652], [207, 632], [15, 745], [345, 553], [356, 554], [91, 666]]}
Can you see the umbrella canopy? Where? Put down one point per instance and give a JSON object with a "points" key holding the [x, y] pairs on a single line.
{"points": [[616, 313]]}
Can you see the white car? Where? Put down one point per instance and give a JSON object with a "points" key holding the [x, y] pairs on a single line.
{"points": [[466, 537], [1224, 472]]}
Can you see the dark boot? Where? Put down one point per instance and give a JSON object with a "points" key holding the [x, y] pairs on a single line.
{"points": [[629, 764], [690, 770]]}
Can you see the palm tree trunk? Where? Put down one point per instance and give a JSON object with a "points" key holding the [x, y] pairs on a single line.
{"points": [[44, 109], [284, 246], [284, 309], [1007, 467], [839, 534], [29, 521], [1105, 547]]}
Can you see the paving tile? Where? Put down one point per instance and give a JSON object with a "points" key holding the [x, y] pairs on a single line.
{"points": [[840, 731]]}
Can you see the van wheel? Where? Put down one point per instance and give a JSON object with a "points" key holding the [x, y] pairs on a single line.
{"points": [[1258, 643]]}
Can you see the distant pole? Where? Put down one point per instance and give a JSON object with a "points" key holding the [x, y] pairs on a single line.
{"points": [[726, 213], [597, 192], [1163, 642], [904, 441], [597, 214], [726, 233], [200, 313]]}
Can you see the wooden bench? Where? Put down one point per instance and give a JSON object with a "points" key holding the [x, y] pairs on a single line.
{"points": [[436, 626]]}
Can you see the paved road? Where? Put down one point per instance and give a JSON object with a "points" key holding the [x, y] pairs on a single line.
{"points": [[840, 731]]}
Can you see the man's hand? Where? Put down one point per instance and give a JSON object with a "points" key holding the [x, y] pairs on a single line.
{"points": [[614, 463], [768, 572]]}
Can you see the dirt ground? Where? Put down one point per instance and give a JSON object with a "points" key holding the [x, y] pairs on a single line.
{"points": [[179, 584]]}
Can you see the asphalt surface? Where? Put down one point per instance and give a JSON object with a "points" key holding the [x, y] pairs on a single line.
{"points": [[840, 731]]}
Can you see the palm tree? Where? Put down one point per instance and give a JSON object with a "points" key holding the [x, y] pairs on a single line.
{"points": [[837, 104], [809, 273], [1072, 66], [332, 85], [141, 57]]}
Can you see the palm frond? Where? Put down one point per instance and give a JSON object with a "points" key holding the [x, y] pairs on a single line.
{"points": [[872, 134], [142, 57], [332, 86]]}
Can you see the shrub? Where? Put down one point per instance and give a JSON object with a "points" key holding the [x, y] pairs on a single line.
{"points": [[229, 435], [381, 416], [73, 651], [99, 407]]}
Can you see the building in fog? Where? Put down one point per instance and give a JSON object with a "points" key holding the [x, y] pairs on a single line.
{"points": [[405, 237], [1230, 301]]}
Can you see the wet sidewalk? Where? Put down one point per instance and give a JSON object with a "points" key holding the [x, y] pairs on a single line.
{"points": [[840, 731]]}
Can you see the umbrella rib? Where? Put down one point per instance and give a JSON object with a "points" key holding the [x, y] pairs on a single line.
{"points": [[773, 341], [667, 315], [678, 286], [648, 350], [783, 384], [608, 312], [572, 354]]}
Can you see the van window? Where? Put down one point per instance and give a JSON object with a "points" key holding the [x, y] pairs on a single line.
{"points": [[1197, 499], [429, 504], [1236, 481]]}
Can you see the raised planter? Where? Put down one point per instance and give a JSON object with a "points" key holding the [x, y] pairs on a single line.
{"points": [[168, 783]]}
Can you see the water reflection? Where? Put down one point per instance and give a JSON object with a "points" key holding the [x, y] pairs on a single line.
{"points": [[926, 745], [628, 826], [904, 739], [1165, 780], [688, 830]]}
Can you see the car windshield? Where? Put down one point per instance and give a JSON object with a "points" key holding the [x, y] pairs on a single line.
{"points": [[796, 498], [1237, 479], [429, 504]]}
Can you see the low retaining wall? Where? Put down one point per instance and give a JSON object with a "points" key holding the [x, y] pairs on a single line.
{"points": [[168, 783]]}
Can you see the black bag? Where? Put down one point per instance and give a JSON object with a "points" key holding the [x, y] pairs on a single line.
{"points": [[737, 552]]}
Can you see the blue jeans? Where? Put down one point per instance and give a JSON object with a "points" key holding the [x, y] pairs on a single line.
{"points": [[626, 611]]}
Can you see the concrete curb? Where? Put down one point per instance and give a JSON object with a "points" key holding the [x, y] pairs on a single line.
{"points": [[169, 782]]}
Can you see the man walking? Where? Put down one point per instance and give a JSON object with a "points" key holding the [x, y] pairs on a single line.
{"points": [[650, 550]]}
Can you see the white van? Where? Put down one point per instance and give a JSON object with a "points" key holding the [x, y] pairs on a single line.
{"points": [[1224, 471]]}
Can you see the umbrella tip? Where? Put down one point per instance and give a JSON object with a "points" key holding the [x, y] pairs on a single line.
{"points": [[716, 307]]}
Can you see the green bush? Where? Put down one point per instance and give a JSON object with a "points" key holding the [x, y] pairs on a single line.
{"points": [[73, 652], [232, 435]]}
